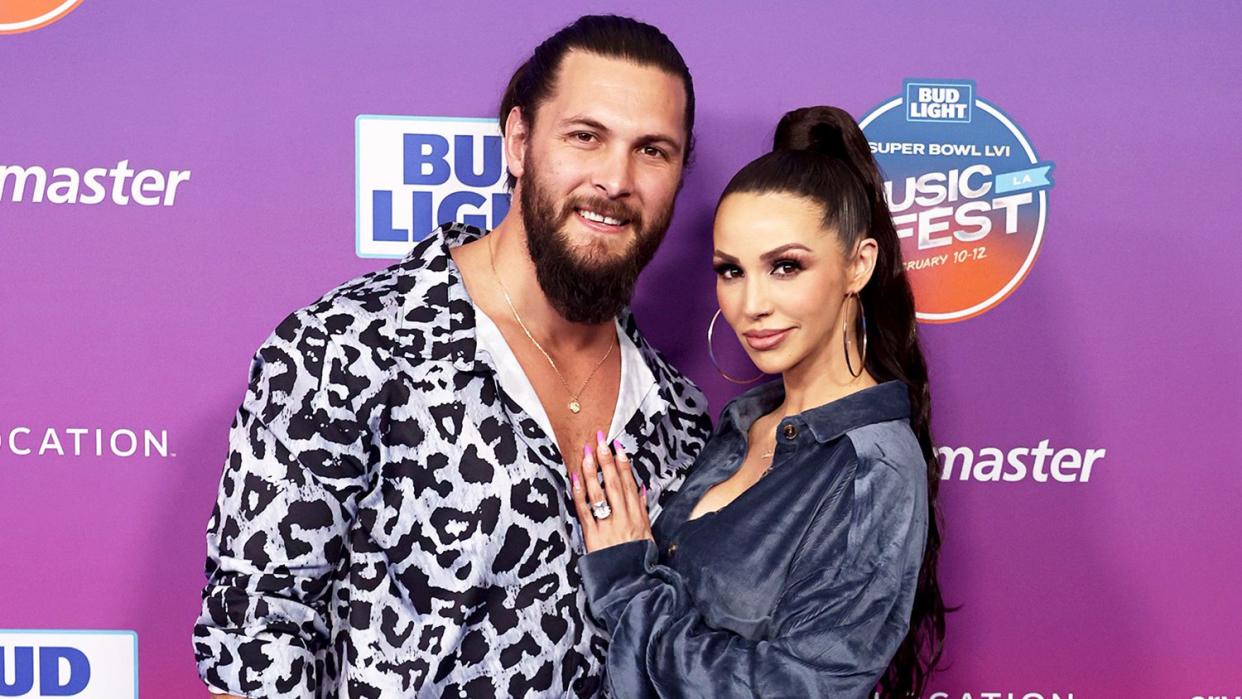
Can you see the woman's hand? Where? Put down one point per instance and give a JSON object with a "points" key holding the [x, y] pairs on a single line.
{"points": [[624, 504]]}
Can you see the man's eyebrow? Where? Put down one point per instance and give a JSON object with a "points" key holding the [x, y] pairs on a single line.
{"points": [[586, 121]]}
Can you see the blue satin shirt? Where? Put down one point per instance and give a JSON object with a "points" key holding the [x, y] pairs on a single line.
{"points": [[800, 587]]}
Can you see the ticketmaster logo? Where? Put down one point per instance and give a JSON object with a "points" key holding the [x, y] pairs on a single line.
{"points": [[1038, 464], [121, 185]]}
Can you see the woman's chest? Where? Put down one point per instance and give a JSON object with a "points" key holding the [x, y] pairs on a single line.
{"points": [[736, 561], [720, 495]]}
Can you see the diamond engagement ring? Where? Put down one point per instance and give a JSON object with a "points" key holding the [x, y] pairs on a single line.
{"points": [[601, 510]]}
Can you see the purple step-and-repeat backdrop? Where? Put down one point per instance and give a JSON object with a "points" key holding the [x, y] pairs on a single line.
{"points": [[176, 177]]}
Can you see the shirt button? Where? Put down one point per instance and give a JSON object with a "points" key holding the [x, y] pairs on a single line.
{"points": [[790, 431], [672, 548]]}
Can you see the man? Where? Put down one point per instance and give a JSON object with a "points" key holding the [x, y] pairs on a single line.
{"points": [[394, 517]]}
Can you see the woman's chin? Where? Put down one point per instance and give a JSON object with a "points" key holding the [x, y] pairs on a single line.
{"points": [[769, 365]]}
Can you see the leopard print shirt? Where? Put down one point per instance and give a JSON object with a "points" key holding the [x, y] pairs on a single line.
{"points": [[390, 523]]}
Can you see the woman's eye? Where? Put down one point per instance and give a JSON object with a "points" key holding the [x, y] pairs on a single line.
{"points": [[786, 268], [727, 271]]}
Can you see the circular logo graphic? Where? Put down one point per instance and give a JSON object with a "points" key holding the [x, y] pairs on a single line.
{"points": [[18, 16], [969, 196]]}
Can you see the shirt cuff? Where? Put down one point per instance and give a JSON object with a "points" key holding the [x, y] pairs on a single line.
{"points": [[613, 575]]}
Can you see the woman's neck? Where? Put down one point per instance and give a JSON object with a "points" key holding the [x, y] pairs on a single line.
{"points": [[811, 384]]}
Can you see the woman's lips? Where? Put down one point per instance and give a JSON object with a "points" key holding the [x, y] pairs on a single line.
{"points": [[765, 339]]}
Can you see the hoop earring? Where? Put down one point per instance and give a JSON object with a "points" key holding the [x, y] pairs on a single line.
{"points": [[711, 328], [845, 339]]}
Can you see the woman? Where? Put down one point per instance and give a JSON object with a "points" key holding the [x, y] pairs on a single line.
{"points": [[799, 557]]}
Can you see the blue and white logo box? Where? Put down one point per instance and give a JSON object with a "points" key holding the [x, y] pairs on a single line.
{"points": [[414, 173], [63, 663]]}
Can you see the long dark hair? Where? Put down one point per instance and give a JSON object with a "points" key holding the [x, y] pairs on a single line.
{"points": [[820, 153], [609, 36]]}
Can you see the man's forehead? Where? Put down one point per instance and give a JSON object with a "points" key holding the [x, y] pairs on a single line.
{"points": [[592, 83], [578, 65]]}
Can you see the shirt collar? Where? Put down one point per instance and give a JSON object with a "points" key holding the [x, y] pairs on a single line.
{"points": [[437, 318], [880, 403]]}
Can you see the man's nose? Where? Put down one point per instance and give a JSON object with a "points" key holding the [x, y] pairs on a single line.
{"points": [[613, 176]]}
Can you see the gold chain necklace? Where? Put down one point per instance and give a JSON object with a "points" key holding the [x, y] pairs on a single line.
{"points": [[574, 405], [767, 455]]}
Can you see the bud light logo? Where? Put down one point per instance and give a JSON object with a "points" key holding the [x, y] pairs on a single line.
{"points": [[80, 664], [968, 194], [416, 173], [951, 102], [24, 15]]}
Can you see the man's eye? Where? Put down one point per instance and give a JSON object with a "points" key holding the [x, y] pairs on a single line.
{"points": [[584, 136], [654, 152]]}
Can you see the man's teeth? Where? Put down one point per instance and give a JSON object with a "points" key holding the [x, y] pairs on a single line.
{"points": [[592, 216]]}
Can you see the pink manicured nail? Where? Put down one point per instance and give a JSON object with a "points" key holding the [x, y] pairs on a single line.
{"points": [[575, 480], [586, 451], [644, 489], [616, 444], [600, 436]]}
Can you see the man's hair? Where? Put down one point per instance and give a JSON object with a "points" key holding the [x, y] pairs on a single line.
{"points": [[609, 36]]}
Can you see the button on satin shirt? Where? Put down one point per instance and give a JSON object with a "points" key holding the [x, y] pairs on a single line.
{"points": [[800, 587]]}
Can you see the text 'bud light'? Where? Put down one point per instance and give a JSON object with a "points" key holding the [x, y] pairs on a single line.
{"points": [[56, 663], [947, 102], [416, 173]]}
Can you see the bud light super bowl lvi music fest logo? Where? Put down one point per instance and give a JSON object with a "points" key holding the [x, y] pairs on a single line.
{"points": [[415, 173], [18, 16], [968, 194]]}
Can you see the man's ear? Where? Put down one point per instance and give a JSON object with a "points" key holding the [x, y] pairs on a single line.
{"points": [[517, 135]]}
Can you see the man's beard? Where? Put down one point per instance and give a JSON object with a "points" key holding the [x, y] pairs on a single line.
{"points": [[582, 285]]}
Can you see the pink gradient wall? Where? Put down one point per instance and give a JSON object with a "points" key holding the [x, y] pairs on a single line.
{"points": [[1124, 335]]}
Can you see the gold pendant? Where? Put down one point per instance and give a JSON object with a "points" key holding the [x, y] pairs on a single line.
{"points": [[574, 407]]}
